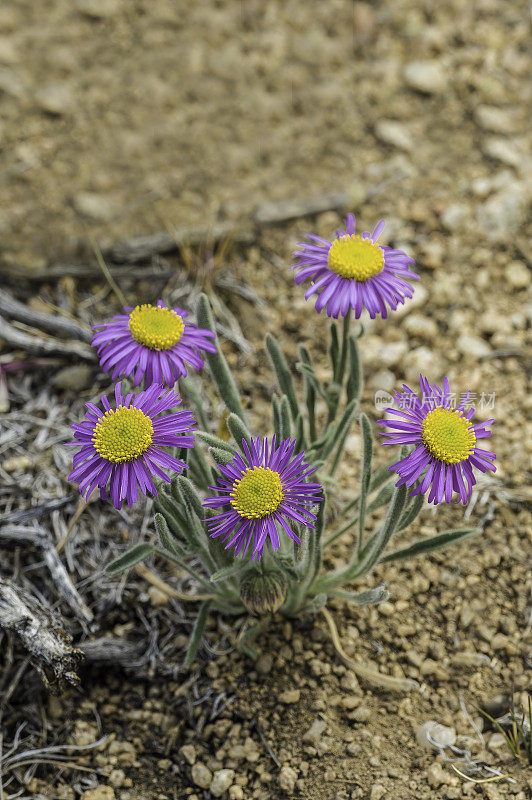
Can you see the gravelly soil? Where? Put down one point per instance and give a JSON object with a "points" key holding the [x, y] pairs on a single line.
{"points": [[123, 117]]}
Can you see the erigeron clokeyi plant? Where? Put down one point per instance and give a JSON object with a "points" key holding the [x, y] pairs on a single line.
{"points": [[250, 525]]}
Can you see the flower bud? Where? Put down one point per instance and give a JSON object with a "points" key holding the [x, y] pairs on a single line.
{"points": [[263, 592]]}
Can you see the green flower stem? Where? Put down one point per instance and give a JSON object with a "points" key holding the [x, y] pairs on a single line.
{"points": [[339, 375]]}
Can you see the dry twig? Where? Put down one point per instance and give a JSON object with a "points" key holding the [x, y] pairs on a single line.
{"points": [[41, 538], [370, 675], [47, 644]]}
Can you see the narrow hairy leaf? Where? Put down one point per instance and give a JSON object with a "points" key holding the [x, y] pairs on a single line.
{"points": [[343, 428], [134, 556], [221, 457], [214, 441], [368, 597], [340, 371], [379, 541], [192, 498], [227, 572], [286, 425], [429, 545], [282, 372], [367, 456], [197, 633], [411, 512], [217, 363], [354, 379], [192, 392], [301, 443], [334, 348], [238, 430]]}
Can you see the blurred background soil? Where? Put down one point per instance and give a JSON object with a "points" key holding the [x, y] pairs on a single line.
{"points": [[120, 119]]}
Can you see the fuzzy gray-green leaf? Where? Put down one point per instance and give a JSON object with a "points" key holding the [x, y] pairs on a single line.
{"points": [[429, 545], [282, 372], [217, 363], [238, 430], [134, 556], [197, 633]]}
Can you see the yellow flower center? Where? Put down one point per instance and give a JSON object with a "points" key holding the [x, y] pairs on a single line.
{"points": [[123, 435], [448, 435], [355, 258], [155, 327], [257, 493]]}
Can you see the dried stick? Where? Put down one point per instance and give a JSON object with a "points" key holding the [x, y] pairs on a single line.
{"points": [[370, 675], [36, 512], [41, 538], [53, 323], [105, 269], [142, 248], [48, 645], [36, 344], [164, 587]]}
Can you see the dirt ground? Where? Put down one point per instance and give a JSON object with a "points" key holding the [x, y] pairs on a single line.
{"points": [[122, 119]]}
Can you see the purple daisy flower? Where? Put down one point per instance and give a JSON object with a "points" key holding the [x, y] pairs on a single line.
{"points": [[121, 447], [445, 442], [263, 492], [353, 271], [153, 342]]}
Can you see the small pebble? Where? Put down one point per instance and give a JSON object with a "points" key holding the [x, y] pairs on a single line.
{"points": [[290, 696], [518, 275], [201, 775], [361, 714], [440, 734], [221, 781], [287, 778], [428, 77], [188, 751], [314, 733], [99, 793], [377, 791]]}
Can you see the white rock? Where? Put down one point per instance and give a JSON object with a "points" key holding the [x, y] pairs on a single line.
{"points": [[473, 346], [222, 780], [55, 98], [496, 742], [393, 353], [482, 187], [440, 734], [287, 779], [290, 696], [201, 775], [505, 212], [12, 83], [314, 733], [494, 119], [421, 327], [455, 217], [518, 275], [99, 793], [429, 77], [384, 380], [423, 360], [505, 150], [188, 752], [8, 51], [95, 206], [377, 791], [98, 9], [436, 775], [353, 444], [394, 133]]}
